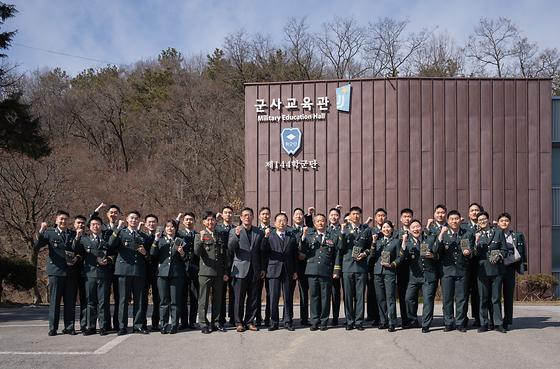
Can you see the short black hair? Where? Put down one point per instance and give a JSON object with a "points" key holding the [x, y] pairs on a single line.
{"points": [[263, 209], [227, 207], [113, 206], [483, 213], [151, 216], [281, 215], [208, 214], [388, 222], [381, 210], [190, 214], [453, 212], [97, 219], [248, 209], [62, 212], [355, 208], [134, 212], [415, 221], [407, 211], [320, 215], [335, 209], [477, 204], [80, 217], [505, 215], [296, 209], [440, 206]]}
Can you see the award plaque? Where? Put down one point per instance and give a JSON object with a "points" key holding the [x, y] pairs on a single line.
{"points": [[464, 244], [70, 255], [101, 256], [424, 249], [356, 250], [494, 256], [177, 243], [386, 257]]}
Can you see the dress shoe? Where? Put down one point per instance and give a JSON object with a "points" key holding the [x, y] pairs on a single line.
{"points": [[476, 323], [252, 327], [323, 327], [500, 329], [83, 329], [184, 326], [391, 328], [52, 333], [462, 329], [154, 328], [414, 324], [375, 323], [425, 329], [122, 332], [313, 327], [273, 328], [482, 329], [240, 328], [289, 327], [490, 327], [141, 331], [360, 327], [448, 328], [89, 332], [383, 326], [305, 323], [219, 328], [71, 332], [163, 331], [205, 330], [349, 327], [173, 330], [506, 327], [102, 332], [334, 322]]}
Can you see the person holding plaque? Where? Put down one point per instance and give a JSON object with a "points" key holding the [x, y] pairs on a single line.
{"points": [[491, 250], [386, 254], [455, 248], [514, 262], [353, 260], [472, 225], [98, 273], [130, 268], [423, 275], [170, 255]]}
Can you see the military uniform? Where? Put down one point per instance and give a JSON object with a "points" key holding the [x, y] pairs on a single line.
{"points": [[171, 279], [423, 276], [403, 272], [152, 282], [337, 285], [490, 274], [191, 287], [517, 240], [473, 294], [130, 268], [354, 272], [385, 278], [227, 291], [372, 308], [454, 282], [95, 249], [212, 250], [62, 277], [302, 282], [321, 250], [263, 283]]}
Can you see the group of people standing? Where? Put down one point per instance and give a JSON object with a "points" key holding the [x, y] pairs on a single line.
{"points": [[225, 267]]}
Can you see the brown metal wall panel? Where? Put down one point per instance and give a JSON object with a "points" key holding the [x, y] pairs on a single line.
{"points": [[367, 148], [427, 145], [413, 143]]}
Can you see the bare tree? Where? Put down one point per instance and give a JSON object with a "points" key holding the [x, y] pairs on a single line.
{"points": [[30, 191], [341, 43], [301, 50], [389, 50], [439, 57], [492, 44]]}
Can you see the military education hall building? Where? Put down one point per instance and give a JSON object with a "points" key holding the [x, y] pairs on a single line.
{"points": [[409, 142]]}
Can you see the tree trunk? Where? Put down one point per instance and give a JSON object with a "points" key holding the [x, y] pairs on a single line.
{"points": [[34, 260]]}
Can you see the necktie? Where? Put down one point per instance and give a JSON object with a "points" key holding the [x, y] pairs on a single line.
{"points": [[282, 236]]}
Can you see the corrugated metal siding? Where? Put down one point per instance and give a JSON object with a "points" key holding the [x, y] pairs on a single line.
{"points": [[417, 143]]}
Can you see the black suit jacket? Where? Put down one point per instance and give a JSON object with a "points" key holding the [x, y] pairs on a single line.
{"points": [[246, 250], [280, 255]]}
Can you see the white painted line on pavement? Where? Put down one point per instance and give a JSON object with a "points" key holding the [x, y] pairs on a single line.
{"points": [[100, 351]]}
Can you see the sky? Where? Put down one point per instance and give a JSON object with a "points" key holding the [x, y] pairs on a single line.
{"points": [[94, 33]]}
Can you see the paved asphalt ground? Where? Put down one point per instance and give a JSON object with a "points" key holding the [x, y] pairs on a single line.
{"points": [[533, 343]]}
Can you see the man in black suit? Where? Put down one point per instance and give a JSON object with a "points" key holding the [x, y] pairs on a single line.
{"points": [[247, 269], [280, 257]]}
